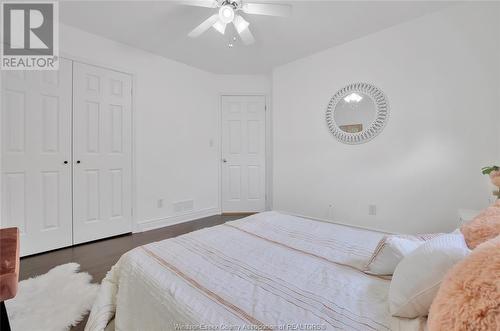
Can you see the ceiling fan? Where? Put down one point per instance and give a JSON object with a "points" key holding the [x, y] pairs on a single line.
{"points": [[228, 12]]}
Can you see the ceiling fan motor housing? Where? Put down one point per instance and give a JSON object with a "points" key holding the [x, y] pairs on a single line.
{"points": [[233, 3]]}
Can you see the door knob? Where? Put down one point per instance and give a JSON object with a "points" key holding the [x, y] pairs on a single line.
{"points": [[224, 160], [65, 162], [78, 162]]}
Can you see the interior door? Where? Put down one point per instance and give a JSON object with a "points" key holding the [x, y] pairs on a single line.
{"points": [[102, 152], [36, 157], [243, 154]]}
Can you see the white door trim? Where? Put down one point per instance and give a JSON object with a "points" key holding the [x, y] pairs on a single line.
{"points": [[133, 74], [268, 143]]}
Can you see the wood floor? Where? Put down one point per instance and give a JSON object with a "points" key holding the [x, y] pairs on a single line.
{"points": [[98, 257]]}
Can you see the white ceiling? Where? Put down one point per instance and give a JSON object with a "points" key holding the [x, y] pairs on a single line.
{"points": [[161, 27]]}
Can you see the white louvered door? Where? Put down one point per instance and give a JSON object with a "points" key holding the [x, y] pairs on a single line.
{"points": [[36, 142], [102, 153]]}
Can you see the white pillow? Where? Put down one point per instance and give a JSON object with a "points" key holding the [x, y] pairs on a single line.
{"points": [[418, 276], [389, 252]]}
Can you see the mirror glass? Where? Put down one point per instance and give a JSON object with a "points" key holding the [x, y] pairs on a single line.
{"points": [[355, 112]]}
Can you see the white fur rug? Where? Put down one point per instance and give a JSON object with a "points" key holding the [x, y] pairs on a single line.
{"points": [[54, 301]]}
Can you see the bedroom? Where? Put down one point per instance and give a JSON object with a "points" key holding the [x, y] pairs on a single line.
{"points": [[178, 177]]}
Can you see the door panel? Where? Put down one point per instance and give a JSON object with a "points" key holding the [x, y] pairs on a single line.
{"points": [[243, 154], [36, 140], [103, 144]]}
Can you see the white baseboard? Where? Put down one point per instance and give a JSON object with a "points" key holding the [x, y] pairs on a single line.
{"points": [[175, 219], [336, 222]]}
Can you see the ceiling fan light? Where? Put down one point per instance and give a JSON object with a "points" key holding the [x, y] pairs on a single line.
{"points": [[240, 23], [220, 26], [226, 14]]}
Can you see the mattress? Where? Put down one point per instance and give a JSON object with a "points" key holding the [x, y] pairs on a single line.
{"points": [[269, 271]]}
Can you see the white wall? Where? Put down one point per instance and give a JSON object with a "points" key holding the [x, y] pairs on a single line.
{"points": [[441, 73], [246, 84], [176, 125]]}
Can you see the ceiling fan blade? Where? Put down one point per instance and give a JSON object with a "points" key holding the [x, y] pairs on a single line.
{"points": [[203, 26], [267, 9], [240, 23], [198, 3], [220, 26], [246, 36]]}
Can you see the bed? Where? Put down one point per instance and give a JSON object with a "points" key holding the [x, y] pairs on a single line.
{"points": [[269, 271]]}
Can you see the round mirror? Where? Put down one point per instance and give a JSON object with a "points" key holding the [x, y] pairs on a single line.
{"points": [[357, 113]]}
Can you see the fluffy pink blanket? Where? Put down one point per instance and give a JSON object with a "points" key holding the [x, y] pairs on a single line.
{"points": [[469, 296], [484, 227]]}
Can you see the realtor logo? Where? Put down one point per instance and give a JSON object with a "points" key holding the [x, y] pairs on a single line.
{"points": [[29, 36]]}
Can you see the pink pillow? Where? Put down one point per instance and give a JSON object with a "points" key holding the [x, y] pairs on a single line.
{"points": [[483, 227], [469, 296]]}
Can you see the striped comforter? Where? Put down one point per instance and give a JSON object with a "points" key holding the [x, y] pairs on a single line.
{"points": [[266, 272]]}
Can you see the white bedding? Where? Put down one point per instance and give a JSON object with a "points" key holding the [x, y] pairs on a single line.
{"points": [[266, 271]]}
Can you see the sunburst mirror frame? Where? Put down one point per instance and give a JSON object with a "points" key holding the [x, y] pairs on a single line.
{"points": [[378, 124]]}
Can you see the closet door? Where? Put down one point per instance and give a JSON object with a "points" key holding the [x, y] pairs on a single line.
{"points": [[102, 146], [36, 157]]}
